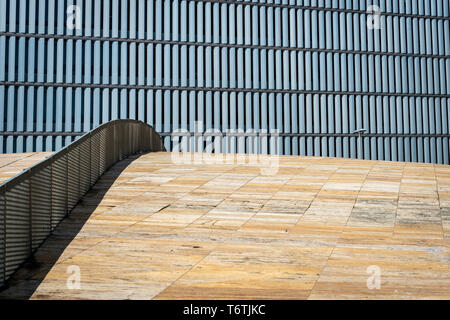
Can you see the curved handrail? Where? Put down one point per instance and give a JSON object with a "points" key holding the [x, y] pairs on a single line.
{"points": [[33, 202]]}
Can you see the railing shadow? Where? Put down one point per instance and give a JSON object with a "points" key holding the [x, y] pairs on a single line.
{"points": [[24, 282]]}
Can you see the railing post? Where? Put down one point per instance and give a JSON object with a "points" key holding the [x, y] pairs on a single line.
{"points": [[4, 235], [67, 181], [30, 210], [114, 143], [144, 136], [79, 171], [141, 137], [119, 141], [139, 134], [90, 158], [51, 195]]}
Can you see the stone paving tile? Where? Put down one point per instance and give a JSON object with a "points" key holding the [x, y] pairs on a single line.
{"points": [[12, 164], [157, 228]]}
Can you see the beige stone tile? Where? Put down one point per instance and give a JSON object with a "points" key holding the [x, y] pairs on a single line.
{"points": [[204, 230]]}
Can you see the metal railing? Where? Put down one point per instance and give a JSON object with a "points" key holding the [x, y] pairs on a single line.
{"points": [[36, 200]]}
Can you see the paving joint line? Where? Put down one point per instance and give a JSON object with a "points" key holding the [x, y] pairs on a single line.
{"points": [[340, 236]]}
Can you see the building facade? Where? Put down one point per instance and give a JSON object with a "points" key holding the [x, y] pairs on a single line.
{"points": [[277, 76]]}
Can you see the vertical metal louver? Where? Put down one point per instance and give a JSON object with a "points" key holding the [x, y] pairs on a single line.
{"points": [[310, 72]]}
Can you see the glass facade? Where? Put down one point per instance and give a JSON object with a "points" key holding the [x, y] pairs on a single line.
{"points": [[288, 77]]}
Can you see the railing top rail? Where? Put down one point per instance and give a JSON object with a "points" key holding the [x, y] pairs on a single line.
{"points": [[7, 184]]}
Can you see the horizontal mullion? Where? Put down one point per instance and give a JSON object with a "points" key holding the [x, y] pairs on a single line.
{"points": [[330, 135], [259, 134], [220, 45], [40, 133], [218, 89], [293, 6]]}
